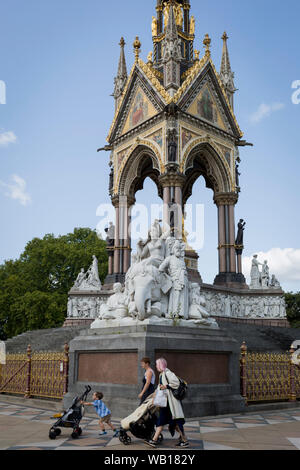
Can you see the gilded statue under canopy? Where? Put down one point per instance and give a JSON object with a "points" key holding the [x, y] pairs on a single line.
{"points": [[178, 15], [154, 26], [177, 11], [192, 25], [166, 14]]}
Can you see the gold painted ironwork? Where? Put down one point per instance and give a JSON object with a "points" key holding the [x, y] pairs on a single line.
{"points": [[46, 377], [14, 374], [268, 376]]}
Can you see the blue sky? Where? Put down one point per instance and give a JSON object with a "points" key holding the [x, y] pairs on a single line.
{"points": [[58, 60]]}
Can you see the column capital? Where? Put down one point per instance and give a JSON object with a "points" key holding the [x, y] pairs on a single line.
{"points": [[115, 201], [172, 179], [226, 199], [123, 201]]}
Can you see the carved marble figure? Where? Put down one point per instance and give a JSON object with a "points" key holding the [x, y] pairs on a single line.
{"points": [[179, 294], [115, 307], [255, 273]]}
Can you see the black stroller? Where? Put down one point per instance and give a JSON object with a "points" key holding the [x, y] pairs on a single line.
{"points": [[141, 423], [71, 418]]}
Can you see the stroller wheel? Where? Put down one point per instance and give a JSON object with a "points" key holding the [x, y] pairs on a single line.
{"points": [[124, 438], [57, 431], [52, 434], [127, 441], [76, 433]]}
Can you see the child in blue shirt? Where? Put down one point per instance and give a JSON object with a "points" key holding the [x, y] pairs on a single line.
{"points": [[103, 412]]}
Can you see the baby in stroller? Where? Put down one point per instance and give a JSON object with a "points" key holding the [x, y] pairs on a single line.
{"points": [[141, 423]]}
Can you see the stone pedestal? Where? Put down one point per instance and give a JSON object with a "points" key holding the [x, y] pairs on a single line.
{"points": [[109, 358], [84, 306], [231, 280], [111, 279], [191, 261]]}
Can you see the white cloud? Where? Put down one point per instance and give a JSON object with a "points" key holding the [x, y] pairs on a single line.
{"points": [[17, 190], [265, 110], [283, 262], [7, 138]]}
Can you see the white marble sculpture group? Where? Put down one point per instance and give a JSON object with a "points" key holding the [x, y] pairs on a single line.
{"points": [[157, 290], [261, 279], [157, 287], [88, 281], [84, 306], [244, 306]]}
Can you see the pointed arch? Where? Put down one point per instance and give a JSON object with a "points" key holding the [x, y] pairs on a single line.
{"points": [[203, 158], [143, 161]]}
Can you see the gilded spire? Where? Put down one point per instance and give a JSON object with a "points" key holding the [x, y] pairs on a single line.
{"points": [[173, 20], [226, 74], [171, 30], [171, 53], [121, 78]]}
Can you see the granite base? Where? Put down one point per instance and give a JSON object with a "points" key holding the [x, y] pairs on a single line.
{"points": [[108, 359]]}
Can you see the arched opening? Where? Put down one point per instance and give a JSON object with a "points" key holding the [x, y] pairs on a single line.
{"points": [[141, 164], [216, 227], [202, 226], [148, 207], [204, 160], [133, 206]]}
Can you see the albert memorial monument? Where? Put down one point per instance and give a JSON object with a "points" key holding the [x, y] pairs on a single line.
{"points": [[174, 122]]}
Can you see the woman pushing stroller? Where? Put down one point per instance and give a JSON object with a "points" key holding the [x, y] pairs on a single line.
{"points": [[172, 414]]}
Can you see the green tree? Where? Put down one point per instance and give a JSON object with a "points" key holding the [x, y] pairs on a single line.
{"points": [[292, 301], [34, 289]]}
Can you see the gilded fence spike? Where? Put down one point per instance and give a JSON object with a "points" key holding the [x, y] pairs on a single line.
{"points": [[28, 381]]}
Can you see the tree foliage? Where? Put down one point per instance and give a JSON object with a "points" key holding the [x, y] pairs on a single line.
{"points": [[34, 288], [292, 301]]}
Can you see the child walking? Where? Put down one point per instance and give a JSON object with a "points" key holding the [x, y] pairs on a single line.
{"points": [[103, 413]]}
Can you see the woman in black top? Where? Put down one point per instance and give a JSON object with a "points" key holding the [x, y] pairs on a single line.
{"points": [[148, 380]]}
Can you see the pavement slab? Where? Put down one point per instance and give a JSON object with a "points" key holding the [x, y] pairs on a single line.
{"points": [[27, 428]]}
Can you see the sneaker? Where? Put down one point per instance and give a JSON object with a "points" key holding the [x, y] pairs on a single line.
{"points": [[116, 433], [182, 444], [151, 443], [102, 433]]}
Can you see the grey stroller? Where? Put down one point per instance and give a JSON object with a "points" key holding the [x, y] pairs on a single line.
{"points": [[141, 423]]}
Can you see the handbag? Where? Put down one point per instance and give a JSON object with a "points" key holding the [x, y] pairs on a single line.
{"points": [[180, 392], [161, 399]]}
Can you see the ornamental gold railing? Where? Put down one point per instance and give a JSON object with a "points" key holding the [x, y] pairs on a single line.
{"points": [[36, 374], [13, 378], [269, 376]]}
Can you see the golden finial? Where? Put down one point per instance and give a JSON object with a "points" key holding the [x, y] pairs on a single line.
{"points": [[137, 48], [197, 55], [122, 42], [207, 43]]}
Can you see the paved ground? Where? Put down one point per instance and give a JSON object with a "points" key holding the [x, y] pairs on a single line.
{"points": [[27, 427]]}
